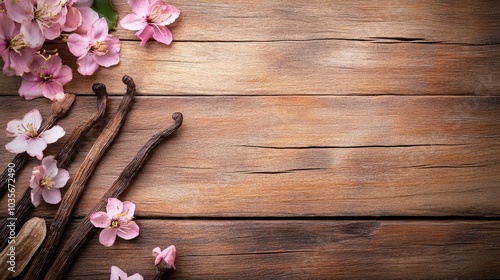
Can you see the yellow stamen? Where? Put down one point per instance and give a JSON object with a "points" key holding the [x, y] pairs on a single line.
{"points": [[17, 43], [29, 130], [47, 183], [99, 48]]}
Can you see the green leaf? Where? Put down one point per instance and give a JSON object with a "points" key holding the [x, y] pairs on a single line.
{"points": [[106, 10]]}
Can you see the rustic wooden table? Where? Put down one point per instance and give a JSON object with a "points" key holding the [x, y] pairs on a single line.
{"points": [[321, 139]]}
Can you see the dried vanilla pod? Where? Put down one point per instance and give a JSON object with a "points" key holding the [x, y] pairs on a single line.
{"points": [[84, 230], [64, 158], [43, 257]]}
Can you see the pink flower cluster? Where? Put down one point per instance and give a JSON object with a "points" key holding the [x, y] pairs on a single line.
{"points": [[25, 26], [46, 179], [117, 221], [150, 18]]}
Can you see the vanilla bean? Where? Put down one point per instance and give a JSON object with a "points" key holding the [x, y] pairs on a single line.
{"points": [[64, 158], [84, 230], [59, 110], [44, 255]]}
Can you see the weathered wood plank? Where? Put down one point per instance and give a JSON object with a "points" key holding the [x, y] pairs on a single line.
{"points": [[323, 67], [300, 156], [298, 249], [467, 22]]}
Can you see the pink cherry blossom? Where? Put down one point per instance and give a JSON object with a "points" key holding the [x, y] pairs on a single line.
{"points": [[46, 180], [16, 55], [117, 220], [27, 138], [96, 48], [46, 78], [150, 18], [118, 274], [39, 19], [165, 259]]}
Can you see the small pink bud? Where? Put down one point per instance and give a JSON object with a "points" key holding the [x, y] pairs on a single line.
{"points": [[165, 259]]}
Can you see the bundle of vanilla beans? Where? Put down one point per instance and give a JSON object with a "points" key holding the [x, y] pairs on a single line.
{"points": [[36, 246]]}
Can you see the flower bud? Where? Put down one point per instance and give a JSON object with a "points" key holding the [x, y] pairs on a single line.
{"points": [[165, 259]]}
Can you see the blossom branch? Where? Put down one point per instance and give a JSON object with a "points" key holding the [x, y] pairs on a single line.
{"points": [[59, 110], [44, 255], [63, 158], [84, 230]]}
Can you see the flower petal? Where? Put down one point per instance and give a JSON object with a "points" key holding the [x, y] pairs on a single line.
{"points": [[50, 165], [87, 65], [52, 89], [112, 57], [99, 30], [162, 35], [73, 19], [18, 145], [52, 196], [53, 31], [145, 34], [133, 22], [157, 254], [171, 14], [89, 16], [36, 196], [34, 118], [53, 134], [156, 251], [100, 219], [114, 207], [61, 179], [53, 64], [158, 259], [35, 147], [20, 62], [37, 176], [19, 11], [78, 45], [139, 7], [64, 75], [30, 89], [169, 256], [13, 127], [128, 209], [131, 230], [117, 273], [107, 236], [33, 36]]}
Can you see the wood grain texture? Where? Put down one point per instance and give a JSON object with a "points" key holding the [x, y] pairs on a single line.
{"points": [[311, 48], [322, 139], [323, 67], [304, 156], [300, 249], [422, 21]]}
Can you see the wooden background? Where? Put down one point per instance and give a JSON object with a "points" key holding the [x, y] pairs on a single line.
{"points": [[322, 139]]}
